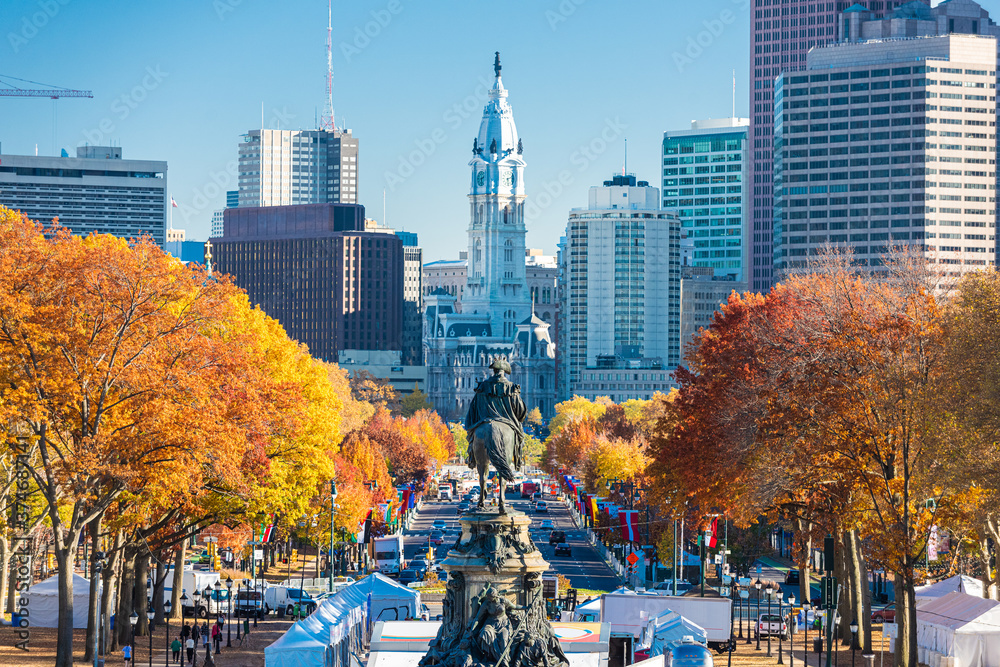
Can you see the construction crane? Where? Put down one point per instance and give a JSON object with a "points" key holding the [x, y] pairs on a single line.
{"points": [[8, 89]]}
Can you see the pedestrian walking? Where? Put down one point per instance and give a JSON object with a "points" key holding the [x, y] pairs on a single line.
{"points": [[204, 634], [127, 654], [185, 632], [189, 645], [217, 636], [175, 649], [195, 633]]}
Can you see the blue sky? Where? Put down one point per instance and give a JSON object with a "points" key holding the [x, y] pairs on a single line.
{"points": [[181, 80]]}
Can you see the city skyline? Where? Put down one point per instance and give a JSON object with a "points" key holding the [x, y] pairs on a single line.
{"points": [[415, 127]]}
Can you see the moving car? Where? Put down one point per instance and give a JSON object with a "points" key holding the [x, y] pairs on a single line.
{"points": [[792, 578], [418, 564], [557, 537], [563, 550], [547, 525], [885, 614], [436, 538], [772, 625], [541, 506]]}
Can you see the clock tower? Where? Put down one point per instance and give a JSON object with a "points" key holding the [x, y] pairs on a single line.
{"points": [[496, 273]]}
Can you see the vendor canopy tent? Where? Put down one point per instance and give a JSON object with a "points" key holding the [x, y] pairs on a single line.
{"points": [[43, 602], [671, 626], [391, 601], [962, 627], [296, 648], [959, 583]]}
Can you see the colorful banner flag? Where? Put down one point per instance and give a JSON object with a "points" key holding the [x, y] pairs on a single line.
{"points": [[368, 527], [712, 541], [627, 519], [388, 513]]}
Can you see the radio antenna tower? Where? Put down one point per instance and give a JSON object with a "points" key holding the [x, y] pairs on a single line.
{"points": [[327, 122]]}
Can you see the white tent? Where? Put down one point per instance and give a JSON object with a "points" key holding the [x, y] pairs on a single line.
{"points": [[959, 630], [296, 648], [959, 583], [43, 602]]}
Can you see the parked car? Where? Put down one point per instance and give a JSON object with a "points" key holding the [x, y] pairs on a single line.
{"points": [[885, 614], [772, 625], [547, 525], [541, 506], [249, 604], [439, 524], [409, 576], [436, 538], [563, 550], [557, 537], [667, 587]]}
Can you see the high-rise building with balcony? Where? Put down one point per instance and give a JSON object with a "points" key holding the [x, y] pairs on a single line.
{"points": [[290, 167], [888, 142]]}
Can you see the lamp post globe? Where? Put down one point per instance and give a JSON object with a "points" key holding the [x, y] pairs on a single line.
{"points": [[769, 590], [757, 584], [150, 614], [792, 628], [229, 612]]}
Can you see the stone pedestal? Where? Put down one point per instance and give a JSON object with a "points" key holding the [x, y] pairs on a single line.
{"points": [[494, 613]]}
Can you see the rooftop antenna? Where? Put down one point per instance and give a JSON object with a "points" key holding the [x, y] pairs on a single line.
{"points": [[327, 121], [734, 93]]}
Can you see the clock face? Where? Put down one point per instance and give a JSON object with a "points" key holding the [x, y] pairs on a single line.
{"points": [[480, 178], [505, 178]]}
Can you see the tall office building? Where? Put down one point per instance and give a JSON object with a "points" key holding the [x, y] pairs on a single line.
{"points": [[97, 191], [705, 179], [232, 198], [332, 285], [218, 223], [497, 316], [782, 34], [620, 293], [290, 167], [889, 142], [413, 326]]}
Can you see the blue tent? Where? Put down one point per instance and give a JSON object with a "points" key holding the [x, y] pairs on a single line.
{"points": [[670, 626]]}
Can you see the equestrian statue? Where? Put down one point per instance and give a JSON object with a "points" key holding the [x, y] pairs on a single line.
{"points": [[494, 428]]}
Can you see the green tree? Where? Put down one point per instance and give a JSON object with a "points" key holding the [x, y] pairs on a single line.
{"points": [[414, 402]]}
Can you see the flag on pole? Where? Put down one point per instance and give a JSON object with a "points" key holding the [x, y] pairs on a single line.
{"points": [[712, 541], [388, 513], [173, 203], [628, 525], [368, 527]]}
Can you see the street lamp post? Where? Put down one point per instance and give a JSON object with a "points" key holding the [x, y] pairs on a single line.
{"points": [[805, 624], [150, 614], [197, 604], [732, 636], [218, 610], [739, 605], [791, 629], [333, 511], [781, 635], [166, 619], [757, 585], [854, 639], [133, 619], [207, 596], [229, 613], [769, 591]]}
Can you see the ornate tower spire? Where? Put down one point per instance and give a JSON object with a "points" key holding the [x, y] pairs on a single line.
{"points": [[496, 64]]}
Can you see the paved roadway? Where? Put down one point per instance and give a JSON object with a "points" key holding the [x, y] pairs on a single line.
{"points": [[585, 568]]}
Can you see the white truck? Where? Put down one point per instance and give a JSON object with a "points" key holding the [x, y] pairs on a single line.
{"points": [[196, 580], [389, 554], [444, 492], [630, 613]]}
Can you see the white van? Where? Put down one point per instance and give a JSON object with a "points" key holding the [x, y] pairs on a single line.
{"points": [[444, 493], [283, 597], [196, 580]]}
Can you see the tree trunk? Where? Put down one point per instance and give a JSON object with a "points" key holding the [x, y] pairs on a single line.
{"points": [[139, 603], [4, 572], [178, 575], [123, 629], [93, 602], [845, 601], [906, 617], [64, 551], [110, 588], [805, 561], [862, 597], [158, 578]]}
